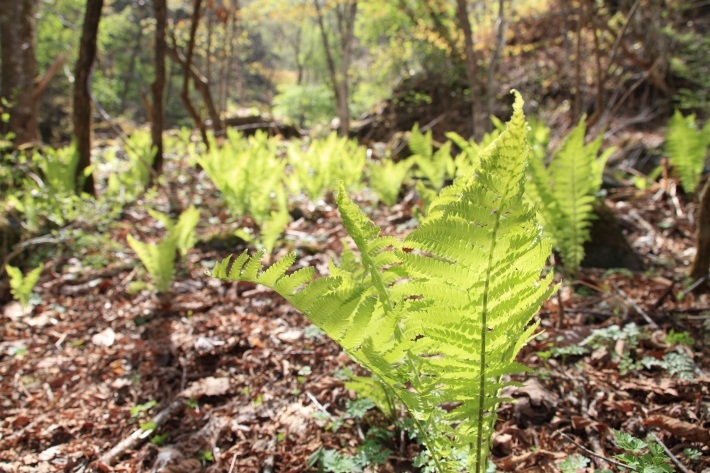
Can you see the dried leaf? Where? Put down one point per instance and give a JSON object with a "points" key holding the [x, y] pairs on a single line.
{"points": [[210, 386], [105, 338]]}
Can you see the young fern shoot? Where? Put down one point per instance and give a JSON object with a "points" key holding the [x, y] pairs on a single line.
{"points": [[440, 316]]}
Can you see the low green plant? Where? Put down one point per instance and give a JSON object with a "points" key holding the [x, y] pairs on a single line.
{"points": [[434, 166], [21, 285], [565, 191], [159, 259], [687, 147], [59, 167], [386, 178], [318, 168], [127, 179], [573, 464], [440, 316], [247, 172], [640, 456]]}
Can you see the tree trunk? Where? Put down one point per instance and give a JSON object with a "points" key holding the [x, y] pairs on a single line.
{"points": [[185, 92], [82, 95], [471, 67], [701, 263], [202, 87], [339, 82], [19, 68], [493, 65], [160, 11]]}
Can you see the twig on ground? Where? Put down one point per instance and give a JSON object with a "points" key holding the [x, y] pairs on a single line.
{"points": [[636, 307], [139, 436], [673, 458], [601, 457], [318, 404]]}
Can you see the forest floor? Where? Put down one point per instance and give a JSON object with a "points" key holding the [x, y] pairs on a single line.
{"points": [[238, 381]]}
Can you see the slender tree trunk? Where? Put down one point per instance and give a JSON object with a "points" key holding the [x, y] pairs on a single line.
{"points": [[128, 78], [82, 94], [160, 11], [339, 83], [701, 263], [185, 92], [19, 68], [202, 87], [471, 66], [493, 65], [577, 102]]}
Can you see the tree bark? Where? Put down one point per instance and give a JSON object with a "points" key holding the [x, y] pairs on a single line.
{"points": [[202, 86], [160, 11], [82, 95], [493, 64], [19, 68], [471, 66], [339, 82], [185, 92], [701, 263]]}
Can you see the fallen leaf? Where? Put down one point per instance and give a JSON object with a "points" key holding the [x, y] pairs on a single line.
{"points": [[210, 386], [679, 428], [15, 311], [105, 338]]}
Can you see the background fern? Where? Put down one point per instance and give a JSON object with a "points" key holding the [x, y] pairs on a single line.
{"points": [[440, 317], [159, 259], [687, 148], [21, 285], [565, 191]]}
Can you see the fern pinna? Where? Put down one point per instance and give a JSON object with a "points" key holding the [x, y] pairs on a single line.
{"points": [[440, 316]]}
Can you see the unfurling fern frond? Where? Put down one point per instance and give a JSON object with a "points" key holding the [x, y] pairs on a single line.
{"points": [[687, 148], [439, 317], [566, 191]]}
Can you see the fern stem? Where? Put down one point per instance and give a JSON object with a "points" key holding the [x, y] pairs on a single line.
{"points": [[482, 381]]}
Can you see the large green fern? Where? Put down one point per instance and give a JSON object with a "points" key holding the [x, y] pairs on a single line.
{"points": [[565, 191], [439, 317], [687, 148]]}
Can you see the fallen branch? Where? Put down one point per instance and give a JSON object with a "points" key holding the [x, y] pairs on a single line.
{"points": [[139, 436], [594, 454]]}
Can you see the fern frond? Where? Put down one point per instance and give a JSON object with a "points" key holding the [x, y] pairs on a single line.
{"points": [[21, 285], [421, 144], [158, 259], [386, 178], [687, 148], [440, 317], [566, 190]]}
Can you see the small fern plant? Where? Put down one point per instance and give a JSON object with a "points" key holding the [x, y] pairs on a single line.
{"points": [[247, 172], [159, 259], [440, 316], [435, 166], [386, 178], [687, 147], [318, 168], [21, 285], [565, 192]]}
